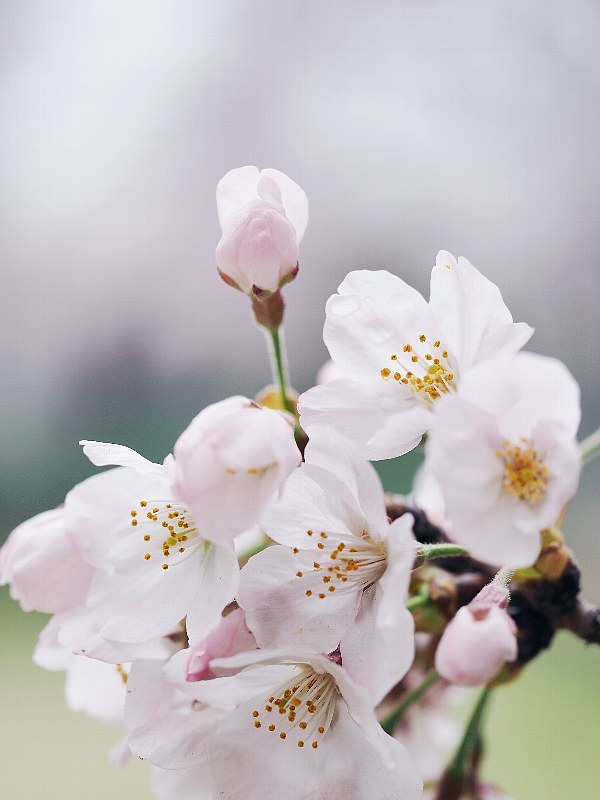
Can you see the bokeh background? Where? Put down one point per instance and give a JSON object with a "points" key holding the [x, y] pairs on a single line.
{"points": [[412, 126]]}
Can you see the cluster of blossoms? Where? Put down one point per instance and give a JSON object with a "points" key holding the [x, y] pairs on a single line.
{"points": [[255, 614]]}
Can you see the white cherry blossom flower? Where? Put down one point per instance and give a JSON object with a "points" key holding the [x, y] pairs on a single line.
{"points": [[340, 574], [168, 551], [504, 453], [310, 735], [263, 216], [400, 355]]}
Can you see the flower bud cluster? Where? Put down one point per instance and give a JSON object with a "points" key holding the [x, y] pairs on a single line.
{"points": [[246, 671]]}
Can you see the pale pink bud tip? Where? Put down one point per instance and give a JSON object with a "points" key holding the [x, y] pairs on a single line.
{"points": [[476, 644], [263, 216]]}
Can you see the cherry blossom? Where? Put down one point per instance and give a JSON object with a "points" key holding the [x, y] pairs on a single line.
{"points": [[504, 453], [315, 728], [400, 355], [340, 573], [170, 554]]}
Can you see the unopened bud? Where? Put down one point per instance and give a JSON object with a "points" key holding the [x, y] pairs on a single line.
{"points": [[263, 216], [479, 640]]}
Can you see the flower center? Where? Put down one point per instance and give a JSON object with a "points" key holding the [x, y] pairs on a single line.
{"points": [[345, 563], [525, 474], [425, 370], [168, 531], [301, 710]]}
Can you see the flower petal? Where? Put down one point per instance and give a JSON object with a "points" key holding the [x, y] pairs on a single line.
{"points": [[471, 312]]}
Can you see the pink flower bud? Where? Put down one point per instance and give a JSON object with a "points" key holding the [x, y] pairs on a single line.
{"points": [[231, 637], [263, 216], [478, 641]]}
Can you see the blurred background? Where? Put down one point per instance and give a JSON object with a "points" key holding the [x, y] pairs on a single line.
{"points": [[412, 126]]}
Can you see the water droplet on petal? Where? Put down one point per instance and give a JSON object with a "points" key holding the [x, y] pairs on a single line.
{"points": [[344, 304]]}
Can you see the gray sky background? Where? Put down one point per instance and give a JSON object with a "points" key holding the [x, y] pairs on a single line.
{"points": [[413, 126]]}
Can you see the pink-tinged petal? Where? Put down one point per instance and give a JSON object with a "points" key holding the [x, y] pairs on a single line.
{"points": [[182, 784], [231, 636], [117, 455], [217, 585], [234, 190], [234, 686], [44, 570], [258, 248], [471, 312], [287, 602], [475, 645], [401, 432], [293, 198], [372, 317]]}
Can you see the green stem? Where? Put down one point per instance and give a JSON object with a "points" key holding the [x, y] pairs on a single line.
{"points": [[440, 550], [279, 371], [418, 601], [390, 722], [590, 447], [471, 736]]}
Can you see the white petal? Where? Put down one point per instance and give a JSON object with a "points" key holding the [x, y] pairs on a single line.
{"points": [[98, 511], [311, 500], [340, 456], [470, 311], [182, 784], [103, 455], [234, 190], [146, 603], [547, 391], [373, 316], [217, 585], [351, 408], [378, 655], [401, 433], [96, 688], [294, 200]]}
